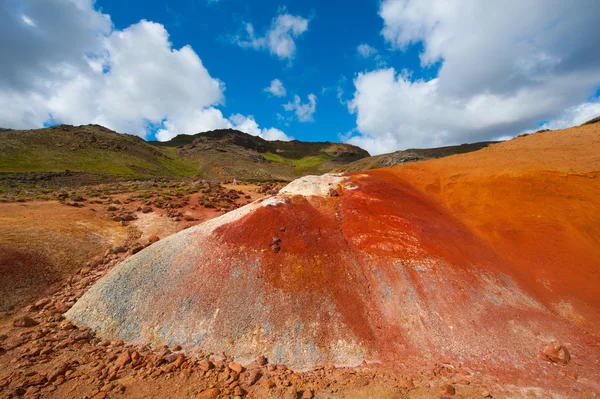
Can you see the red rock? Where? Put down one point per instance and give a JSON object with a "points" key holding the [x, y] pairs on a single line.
{"points": [[307, 394], [46, 351], [57, 371], [206, 365], [24, 321], [135, 356], [236, 367], [211, 393], [254, 376], [152, 239], [179, 361], [37, 379], [170, 358], [261, 360], [123, 359], [105, 342], [555, 352], [268, 384], [118, 342], [333, 192], [448, 390], [60, 308], [100, 395]]}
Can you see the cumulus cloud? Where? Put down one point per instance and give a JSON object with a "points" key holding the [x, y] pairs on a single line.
{"points": [[526, 63], [211, 119], [64, 63], [575, 116], [279, 38], [366, 50], [304, 111], [276, 88]]}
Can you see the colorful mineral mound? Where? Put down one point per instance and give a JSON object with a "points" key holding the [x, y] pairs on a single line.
{"points": [[482, 259]]}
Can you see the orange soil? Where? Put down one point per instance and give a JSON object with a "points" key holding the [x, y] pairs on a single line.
{"points": [[44, 242], [535, 201]]}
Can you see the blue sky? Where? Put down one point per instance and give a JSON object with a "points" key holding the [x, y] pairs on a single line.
{"points": [[326, 56], [384, 75]]}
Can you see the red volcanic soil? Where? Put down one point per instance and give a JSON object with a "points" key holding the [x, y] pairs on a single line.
{"points": [[481, 258]]}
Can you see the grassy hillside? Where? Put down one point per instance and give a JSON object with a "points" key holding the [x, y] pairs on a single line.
{"points": [[410, 155], [221, 154], [93, 149]]}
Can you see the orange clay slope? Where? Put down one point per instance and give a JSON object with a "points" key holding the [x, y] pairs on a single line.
{"points": [[479, 259]]}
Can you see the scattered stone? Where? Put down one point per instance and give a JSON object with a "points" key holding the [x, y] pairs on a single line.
{"points": [[146, 209], [254, 376], [236, 367], [211, 393], [448, 390], [57, 371], [556, 352], [24, 321], [42, 302], [261, 360], [268, 384], [37, 379], [291, 393], [307, 394], [123, 359], [206, 365]]}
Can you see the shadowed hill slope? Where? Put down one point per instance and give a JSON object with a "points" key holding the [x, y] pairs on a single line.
{"points": [[410, 155], [480, 259], [230, 153]]}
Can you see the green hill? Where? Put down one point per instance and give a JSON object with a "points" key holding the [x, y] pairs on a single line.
{"points": [[220, 154]]}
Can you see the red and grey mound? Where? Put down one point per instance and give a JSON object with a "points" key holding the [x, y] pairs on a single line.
{"points": [[369, 267]]}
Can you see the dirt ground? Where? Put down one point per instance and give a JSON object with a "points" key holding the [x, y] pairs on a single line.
{"points": [[52, 251]]}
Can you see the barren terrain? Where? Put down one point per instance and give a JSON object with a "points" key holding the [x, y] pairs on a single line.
{"points": [[471, 276]]}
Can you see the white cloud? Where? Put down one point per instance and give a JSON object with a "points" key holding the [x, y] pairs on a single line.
{"points": [[72, 67], [304, 112], [276, 88], [279, 39], [212, 119], [527, 62], [366, 51], [575, 116]]}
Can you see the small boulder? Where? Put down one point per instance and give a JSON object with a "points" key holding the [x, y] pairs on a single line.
{"points": [[24, 321], [123, 359], [57, 371], [211, 393], [236, 367], [448, 390], [556, 352], [261, 360]]}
